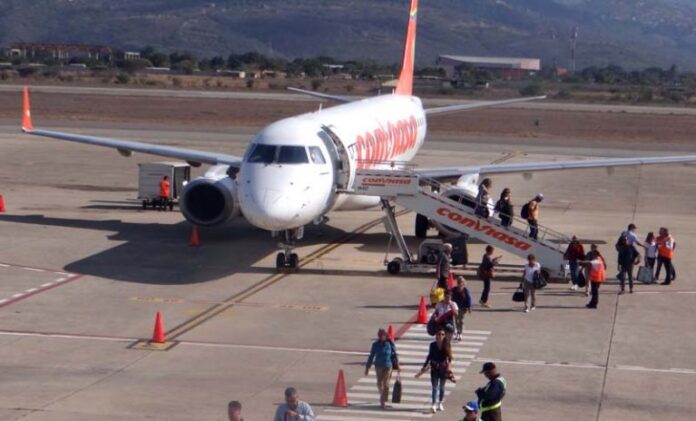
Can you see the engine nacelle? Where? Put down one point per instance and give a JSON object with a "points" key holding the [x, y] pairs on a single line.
{"points": [[211, 199]]}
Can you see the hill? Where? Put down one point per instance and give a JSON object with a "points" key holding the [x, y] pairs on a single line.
{"points": [[625, 32]]}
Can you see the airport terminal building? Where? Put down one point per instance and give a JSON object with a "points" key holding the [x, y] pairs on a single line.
{"points": [[506, 67]]}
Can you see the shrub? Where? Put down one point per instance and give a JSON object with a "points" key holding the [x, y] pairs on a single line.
{"points": [[123, 78], [533, 89]]}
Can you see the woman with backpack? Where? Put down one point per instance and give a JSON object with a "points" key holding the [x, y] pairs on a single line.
{"points": [[439, 360], [504, 208]]}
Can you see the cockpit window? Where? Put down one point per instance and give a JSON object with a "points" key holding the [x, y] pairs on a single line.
{"points": [[292, 155], [317, 156], [263, 154]]}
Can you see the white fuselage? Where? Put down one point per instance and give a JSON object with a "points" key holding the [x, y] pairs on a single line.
{"points": [[295, 168]]}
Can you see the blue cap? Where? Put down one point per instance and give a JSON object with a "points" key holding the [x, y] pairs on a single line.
{"points": [[472, 406]]}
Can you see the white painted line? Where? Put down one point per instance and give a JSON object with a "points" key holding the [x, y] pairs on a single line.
{"points": [[47, 284], [60, 280], [66, 336], [404, 398], [29, 291], [329, 417], [422, 360], [409, 391], [366, 409], [18, 295], [34, 269], [423, 354], [4, 300], [420, 345], [273, 348], [405, 381], [4, 265], [686, 292], [423, 328]]}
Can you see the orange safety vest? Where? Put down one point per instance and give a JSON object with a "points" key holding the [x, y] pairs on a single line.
{"points": [[665, 246], [164, 188], [597, 272]]}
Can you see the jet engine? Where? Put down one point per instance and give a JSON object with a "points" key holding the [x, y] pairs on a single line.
{"points": [[211, 199]]}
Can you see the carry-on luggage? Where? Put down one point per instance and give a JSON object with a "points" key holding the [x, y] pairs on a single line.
{"points": [[518, 295], [645, 275]]}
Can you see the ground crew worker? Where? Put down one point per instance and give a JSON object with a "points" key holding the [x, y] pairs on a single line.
{"points": [[164, 192], [665, 252], [471, 411], [533, 215], [443, 266], [383, 354], [234, 411], [490, 397], [597, 267]]}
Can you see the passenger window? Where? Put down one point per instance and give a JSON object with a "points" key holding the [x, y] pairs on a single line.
{"points": [[263, 154], [292, 155], [317, 156]]}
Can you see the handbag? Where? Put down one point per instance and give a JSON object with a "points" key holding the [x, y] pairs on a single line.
{"points": [[396, 392], [394, 357], [539, 282], [581, 279], [518, 295]]}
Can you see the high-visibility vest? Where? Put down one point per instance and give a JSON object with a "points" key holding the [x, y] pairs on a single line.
{"points": [[500, 402], [164, 188], [597, 272], [665, 247]]}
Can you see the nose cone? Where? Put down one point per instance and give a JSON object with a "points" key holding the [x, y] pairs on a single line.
{"points": [[276, 198]]}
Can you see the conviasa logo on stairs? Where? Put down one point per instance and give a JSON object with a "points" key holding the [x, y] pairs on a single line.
{"points": [[489, 230]]}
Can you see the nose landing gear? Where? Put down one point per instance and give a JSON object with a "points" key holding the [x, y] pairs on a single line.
{"points": [[287, 259]]}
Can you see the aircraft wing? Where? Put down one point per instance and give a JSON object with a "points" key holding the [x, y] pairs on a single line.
{"points": [[127, 147], [530, 167], [337, 98], [479, 104]]}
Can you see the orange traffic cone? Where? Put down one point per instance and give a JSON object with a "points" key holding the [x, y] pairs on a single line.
{"points": [[158, 333], [450, 281], [2, 204], [422, 316], [390, 333], [340, 396], [194, 241]]}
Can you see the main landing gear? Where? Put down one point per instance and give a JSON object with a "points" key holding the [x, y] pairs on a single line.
{"points": [[287, 259]]}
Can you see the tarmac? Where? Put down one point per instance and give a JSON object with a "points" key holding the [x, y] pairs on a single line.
{"points": [[84, 269]]}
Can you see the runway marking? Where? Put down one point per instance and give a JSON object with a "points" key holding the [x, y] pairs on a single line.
{"points": [[412, 347], [63, 279], [589, 365], [270, 280]]}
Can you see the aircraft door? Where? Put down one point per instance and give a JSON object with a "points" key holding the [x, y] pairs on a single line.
{"points": [[339, 157]]}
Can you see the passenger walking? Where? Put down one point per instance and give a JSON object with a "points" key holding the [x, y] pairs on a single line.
{"points": [[533, 215], [532, 272], [439, 360], [486, 271], [293, 409], [490, 397], [627, 255], [596, 266], [665, 252], [446, 312], [234, 411], [631, 236], [483, 198], [462, 297], [504, 208], [632, 241], [383, 354], [164, 192], [443, 266], [573, 253], [471, 411], [650, 246]]}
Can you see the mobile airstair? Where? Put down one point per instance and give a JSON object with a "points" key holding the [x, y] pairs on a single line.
{"points": [[408, 189]]}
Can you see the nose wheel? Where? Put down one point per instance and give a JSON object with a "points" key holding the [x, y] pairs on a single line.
{"points": [[287, 261]]}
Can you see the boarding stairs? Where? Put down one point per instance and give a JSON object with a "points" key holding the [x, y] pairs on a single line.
{"points": [[408, 189]]}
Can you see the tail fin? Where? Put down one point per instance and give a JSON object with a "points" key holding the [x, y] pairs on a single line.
{"points": [[405, 84], [26, 112]]}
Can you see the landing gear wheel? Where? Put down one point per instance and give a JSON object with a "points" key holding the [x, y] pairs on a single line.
{"points": [[394, 267], [280, 261], [293, 261], [422, 224]]}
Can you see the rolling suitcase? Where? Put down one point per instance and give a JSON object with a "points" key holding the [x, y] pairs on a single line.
{"points": [[645, 275]]}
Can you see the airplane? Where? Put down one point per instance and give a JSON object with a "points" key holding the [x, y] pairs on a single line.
{"points": [[296, 170]]}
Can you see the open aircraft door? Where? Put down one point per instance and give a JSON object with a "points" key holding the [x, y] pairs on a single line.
{"points": [[343, 173]]}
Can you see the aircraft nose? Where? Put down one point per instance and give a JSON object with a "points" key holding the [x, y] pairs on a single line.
{"points": [[270, 209]]}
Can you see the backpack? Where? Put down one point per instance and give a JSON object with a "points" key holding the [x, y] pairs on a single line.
{"points": [[524, 212], [623, 236]]}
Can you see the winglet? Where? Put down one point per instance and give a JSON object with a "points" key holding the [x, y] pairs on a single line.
{"points": [[26, 112], [405, 84]]}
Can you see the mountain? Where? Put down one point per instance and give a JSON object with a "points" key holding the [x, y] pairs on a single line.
{"points": [[632, 33]]}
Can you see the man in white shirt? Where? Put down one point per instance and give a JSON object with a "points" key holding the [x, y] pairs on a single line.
{"points": [[294, 409], [532, 270]]}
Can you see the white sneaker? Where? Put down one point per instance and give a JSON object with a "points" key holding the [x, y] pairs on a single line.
{"points": [[526, 310], [574, 288], [533, 307], [440, 407], [434, 408]]}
